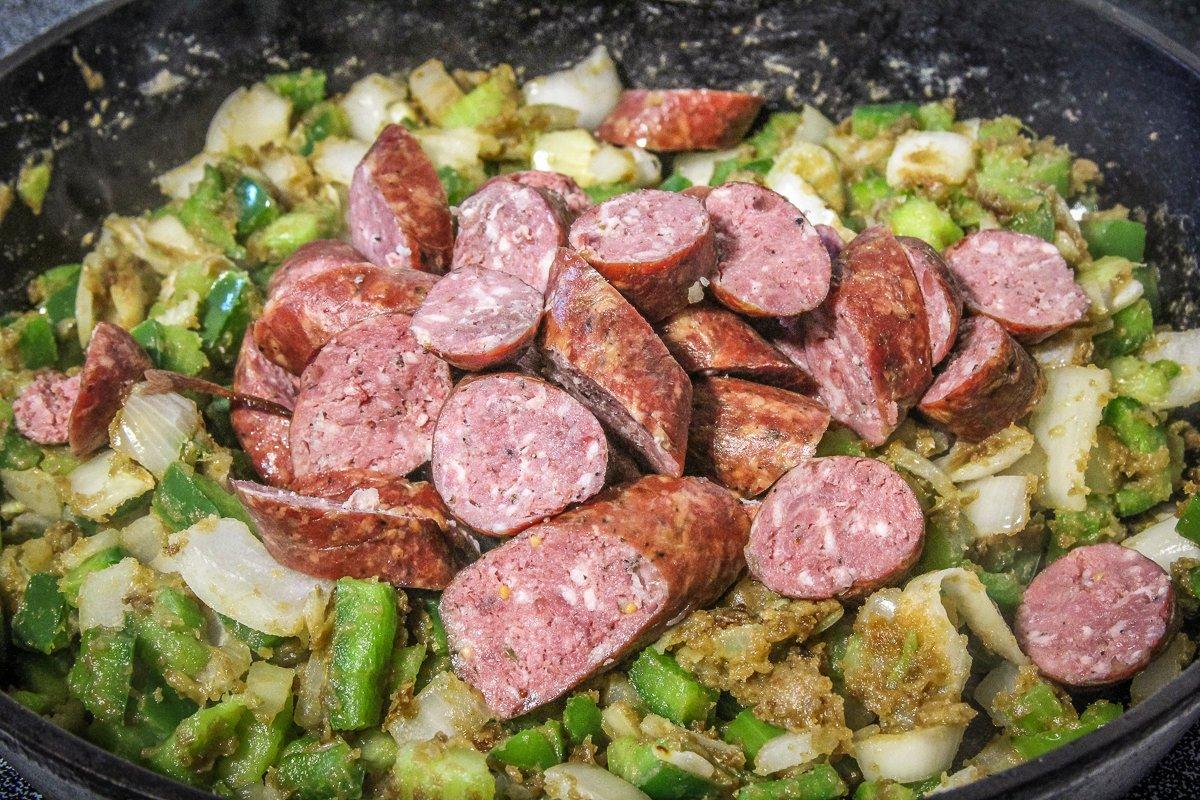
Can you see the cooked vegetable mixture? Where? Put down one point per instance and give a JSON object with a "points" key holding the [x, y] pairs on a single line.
{"points": [[782, 461]]}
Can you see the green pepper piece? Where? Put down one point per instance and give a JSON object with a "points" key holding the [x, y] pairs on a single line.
{"points": [[1003, 588], [1188, 525], [872, 790], [1131, 500], [1148, 382], [750, 733], [259, 643], [171, 347], [1147, 276], [364, 632], [999, 129], [304, 87], [1040, 710], [1135, 425], [377, 751], [1115, 237], [530, 749], [723, 170], [840, 441], [868, 192], [774, 135], [228, 310], [130, 742], [315, 770], [868, 121], [1052, 168], [256, 207], [36, 343], [103, 670], [58, 286], [1132, 327], [581, 719], [1035, 222], [822, 782], [935, 116], [156, 708], [1032, 745], [675, 183], [40, 623], [187, 754], [320, 122], [607, 191], [279, 239], [643, 765], [169, 636], [485, 102], [258, 745], [16, 452], [71, 581], [178, 500], [925, 220], [442, 771], [33, 182], [406, 667], [456, 185], [669, 690]]}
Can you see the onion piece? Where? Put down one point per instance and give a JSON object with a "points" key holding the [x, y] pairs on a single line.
{"points": [[335, 158], [591, 87], [1166, 667], [1182, 347], [446, 706], [35, 489], [569, 152], [907, 757], [798, 176], [922, 468], [104, 594], [1109, 284], [794, 750], [1064, 423], [620, 719], [458, 148], [930, 157], [232, 573], [578, 781], [999, 504], [86, 547], [268, 688], [433, 89], [180, 182], [105, 482], [1162, 544], [1002, 679], [969, 462], [253, 118], [373, 102], [698, 166], [152, 428], [1072, 347]]}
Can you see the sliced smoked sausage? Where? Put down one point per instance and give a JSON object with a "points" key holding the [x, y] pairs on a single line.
{"points": [[264, 436], [574, 198], [311, 259], [569, 597], [943, 303], [398, 211], [478, 318], [369, 400], [114, 363], [988, 383], [835, 527], [867, 346], [674, 120], [652, 246], [296, 324], [771, 261], [511, 228], [42, 412], [1096, 616], [708, 340], [510, 450], [1019, 280], [745, 435], [595, 345]]}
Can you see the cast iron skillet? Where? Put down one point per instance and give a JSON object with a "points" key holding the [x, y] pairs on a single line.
{"points": [[1083, 71]]}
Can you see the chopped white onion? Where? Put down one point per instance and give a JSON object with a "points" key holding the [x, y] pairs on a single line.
{"points": [[433, 89], [168, 234], [180, 182], [998, 504], [620, 719], [809, 176], [309, 712], [230, 570], [907, 757], [289, 174], [930, 157], [445, 706], [268, 688], [970, 462], [1162, 544], [1072, 347], [611, 164], [569, 152], [374, 102], [1166, 667], [579, 781], [86, 547], [688, 761], [814, 126], [1109, 284], [253, 118], [698, 166], [335, 158], [104, 594], [144, 538], [457, 148], [1002, 679], [35, 489], [591, 87], [647, 169], [1182, 347], [152, 428], [102, 484], [922, 468], [793, 750], [1064, 423]]}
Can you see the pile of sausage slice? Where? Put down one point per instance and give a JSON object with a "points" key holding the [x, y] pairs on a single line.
{"points": [[544, 377]]}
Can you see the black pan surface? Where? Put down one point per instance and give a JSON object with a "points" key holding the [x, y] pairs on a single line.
{"points": [[1082, 71]]}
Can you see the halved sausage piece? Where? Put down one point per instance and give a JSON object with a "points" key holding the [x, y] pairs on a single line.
{"points": [[708, 340], [746, 435], [264, 436], [1096, 616], [771, 261], [42, 412], [867, 346], [385, 528], [369, 400], [574, 198], [311, 259], [674, 120], [569, 597], [988, 383], [511, 228], [296, 324], [943, 303], [478, 318], [652, 246], [510, 450], [399, 216], [1019, 280], [835, 527], [597, 347], [113, 364]]}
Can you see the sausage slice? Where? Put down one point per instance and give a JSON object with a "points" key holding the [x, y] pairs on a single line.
{"points": [[771, 260], [568, 598], [1019, 280], [988, 383], [597, 347], [574, 198], [369, 400], [264, 436], [836, 527], [674, 120], [652, 246], [312, 259], [114, 363], [510, 450], [943, 303], [745, 435], [42, 412], [1096, 616], [399, 216]]}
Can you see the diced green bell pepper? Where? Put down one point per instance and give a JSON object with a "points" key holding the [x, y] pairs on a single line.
{"points": [[256, 207], [364, 632], [279, 239], [71, 581], [100, 678], [750, 733], [485, 102], [442, 771], [1188, 525], [1132, 327], [581, 719], [607, 191], [822, 782], [1146, 381], [935, 116], [1115, 237], [228, 310], [866, 193], [320, 122], [675, 183], [171, 347], [669, 690], [872, 790], [1037, 221], [304, 87], [36, 342], [1135, 425], [41, 621], [187, 754], [643, 765], [258, 746], [313, 770], [531, 749], [774, 134], [457, 187], [925, 220], [868, 121]]}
